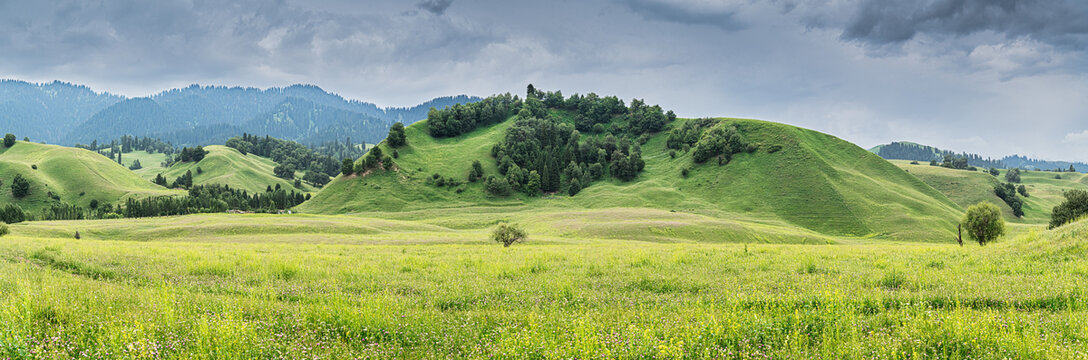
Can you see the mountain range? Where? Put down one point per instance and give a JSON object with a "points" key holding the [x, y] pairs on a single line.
{"points": [[69, 114]]}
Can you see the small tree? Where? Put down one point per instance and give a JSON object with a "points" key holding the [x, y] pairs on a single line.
{"points": [[20, 186], [497, 186], [983, 222], [507, 234], [9, 140], [995, 171], [347, 167], [1023, 190], [1013, 176], [3, 229], [396, 136], [574, 188]]}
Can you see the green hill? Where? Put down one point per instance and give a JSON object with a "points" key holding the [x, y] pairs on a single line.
{"points": [[227, 166], [967, 188], [76, 176], [811, 180]]}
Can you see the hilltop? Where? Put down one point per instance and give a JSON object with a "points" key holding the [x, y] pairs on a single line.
{"points": [[75, 176], [794, 178], [227, 166]]}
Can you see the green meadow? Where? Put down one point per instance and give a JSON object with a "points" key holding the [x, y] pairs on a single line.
{"points": [[316, 286], [807, 246]]}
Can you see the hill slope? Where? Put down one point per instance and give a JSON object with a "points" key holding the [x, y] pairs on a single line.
{"points": [[77, 176], [967, 188], [815, 181], [227, 166]]}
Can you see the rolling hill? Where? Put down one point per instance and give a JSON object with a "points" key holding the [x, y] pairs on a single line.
{"points": [[815, 181], [967, 188], [76, 176], [227, 166]]}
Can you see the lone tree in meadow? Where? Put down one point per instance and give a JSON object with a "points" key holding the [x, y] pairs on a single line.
{"points": [[983, 222], [507, 234], [1013, 175], [396, 136], [9, 140]]}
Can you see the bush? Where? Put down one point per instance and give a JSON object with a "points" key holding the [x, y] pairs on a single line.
{"points": [[508, 234], [1074, 207], [983, 222], [11, 214], [396, 137], [574, 188], [914, 163], [497, 186], [20, 186], [9, 140], [34, 166], [684, 172], [4, 229], [1023, 190]]}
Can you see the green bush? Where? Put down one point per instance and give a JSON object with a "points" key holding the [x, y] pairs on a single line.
{"points": [[1074, 207], [4, 229]]}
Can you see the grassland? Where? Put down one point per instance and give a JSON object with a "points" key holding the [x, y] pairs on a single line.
{"points": [[967, 188], [76, 176], [816, 182], [315, 286], [151, 164], [227, 166]]}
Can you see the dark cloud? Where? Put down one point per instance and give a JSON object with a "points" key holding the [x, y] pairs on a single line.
{"points": [[1059, 23], [689, 13], [437, 7], [961, 74]]}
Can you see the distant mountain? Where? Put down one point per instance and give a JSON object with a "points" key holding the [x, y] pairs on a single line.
{"points": [[903, 150], [47, 112], [197, 115]]}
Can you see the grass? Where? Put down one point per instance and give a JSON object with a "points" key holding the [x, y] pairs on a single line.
{"points": [[227, 166], [967, 188], [316, 286], [76, 176], [817, 182], [150, 164]]}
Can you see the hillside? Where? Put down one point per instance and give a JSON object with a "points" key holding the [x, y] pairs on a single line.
{"points": [[77, 176], [815, 181], [227, 166], [967, 188]]}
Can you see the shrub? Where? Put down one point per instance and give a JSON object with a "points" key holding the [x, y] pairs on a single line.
{"points": [[9, 140], [20, 186], [507, 234], [983, 222], [914, 163], [1023, 190], [4, 229], [684, 172], [574, 188], [672, 154], [34, 166], [396, 137], [497, 186], [11, 214], [1058, 177]]}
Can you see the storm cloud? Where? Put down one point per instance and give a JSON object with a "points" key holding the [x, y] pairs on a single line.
{"points": [[959, 74]]}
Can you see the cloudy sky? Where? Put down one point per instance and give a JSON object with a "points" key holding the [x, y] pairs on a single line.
{"points": [[994, 77]]}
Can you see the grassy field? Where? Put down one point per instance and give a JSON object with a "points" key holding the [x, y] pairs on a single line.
{"points": [[227, 166], [967, 188], [816, 182], [151, 164], [76, 176], [315, 286]]}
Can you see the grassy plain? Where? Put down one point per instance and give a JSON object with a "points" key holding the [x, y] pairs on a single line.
{"points": [[315, 286]]}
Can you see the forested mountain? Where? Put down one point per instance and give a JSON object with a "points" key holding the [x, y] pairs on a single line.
{"points": [[198, 115], [47, 112]]}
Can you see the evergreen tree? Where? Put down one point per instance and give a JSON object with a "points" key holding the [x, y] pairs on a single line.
{"points": [[20, 186], [396, 137], [347, 167]]}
